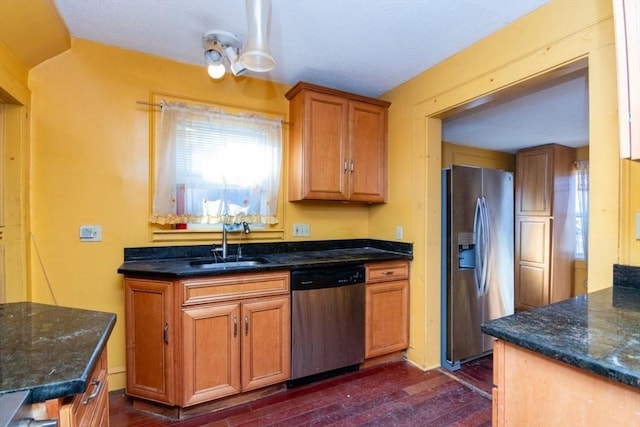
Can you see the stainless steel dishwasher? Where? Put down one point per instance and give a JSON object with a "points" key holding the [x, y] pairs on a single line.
{"points": [[327, 321]]}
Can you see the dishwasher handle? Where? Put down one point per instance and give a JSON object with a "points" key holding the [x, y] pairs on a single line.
{"points": [[327, 277]]}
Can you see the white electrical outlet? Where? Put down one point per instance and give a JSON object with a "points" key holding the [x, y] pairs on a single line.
{"points": [[90, 233], [637, 225], [301, 230], [399, 232]]}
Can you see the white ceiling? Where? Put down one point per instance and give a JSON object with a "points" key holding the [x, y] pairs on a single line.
{"points": [[556, 111], [361, 46]]}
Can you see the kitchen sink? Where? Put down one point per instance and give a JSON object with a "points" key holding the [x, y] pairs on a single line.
{"points": [[230, 262]]}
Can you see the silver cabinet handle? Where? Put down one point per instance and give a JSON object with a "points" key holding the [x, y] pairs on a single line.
{"points": [[345, 166], [246, 326], [352, 167], [387, 273], [235, 327], [98, 386]]}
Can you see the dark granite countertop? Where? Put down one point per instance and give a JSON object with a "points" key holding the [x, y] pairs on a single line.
{"points": [[174, 261], [598, 332], [50, 350]]}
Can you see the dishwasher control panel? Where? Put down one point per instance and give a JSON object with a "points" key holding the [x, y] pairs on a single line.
{"points": [[327, 277]]}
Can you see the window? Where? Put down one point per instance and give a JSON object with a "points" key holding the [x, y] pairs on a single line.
{"points": [[214, 167], [582, 209]]}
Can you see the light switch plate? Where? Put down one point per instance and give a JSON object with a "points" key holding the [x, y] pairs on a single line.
{"points": [[90, 233], [637, 225], [399, 232]]}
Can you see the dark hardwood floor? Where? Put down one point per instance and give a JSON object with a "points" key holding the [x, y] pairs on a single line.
{"points": [[393, 394]]}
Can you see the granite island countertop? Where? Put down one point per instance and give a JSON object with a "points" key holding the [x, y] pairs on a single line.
{"points": [[50, 350], [174, 261], [598, 332]]}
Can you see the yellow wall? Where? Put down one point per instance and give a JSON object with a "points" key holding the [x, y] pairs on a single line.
{"points": [[90, 165], [32, 30], [554, 35], [453, 154], [630, 206]]}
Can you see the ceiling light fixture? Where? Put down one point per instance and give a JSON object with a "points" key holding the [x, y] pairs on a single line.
{"points": [[219, 44]]}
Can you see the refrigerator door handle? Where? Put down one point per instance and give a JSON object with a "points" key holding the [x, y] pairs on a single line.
{"points": [[486, 245], [477, 231], [481, 230]]}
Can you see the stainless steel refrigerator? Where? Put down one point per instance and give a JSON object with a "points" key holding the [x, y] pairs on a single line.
{"points": [[477, 258]]}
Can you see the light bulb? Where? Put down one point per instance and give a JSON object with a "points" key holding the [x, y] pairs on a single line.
{"points": [[216, 71]]}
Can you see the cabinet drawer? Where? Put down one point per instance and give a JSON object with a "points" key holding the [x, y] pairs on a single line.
{"points": [[223, 288], [387, 271], [90, 408]]}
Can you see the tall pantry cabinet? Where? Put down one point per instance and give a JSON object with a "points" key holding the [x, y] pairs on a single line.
{"points": [[545, 218]]}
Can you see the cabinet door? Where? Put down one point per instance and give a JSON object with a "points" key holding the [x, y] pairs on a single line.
{"points": [[211, 352], [626, 14], [367, 160], [533, 240], [90, 408], [387, 317], [150, 338], [534, 182], [266, 342], [325, 133]]}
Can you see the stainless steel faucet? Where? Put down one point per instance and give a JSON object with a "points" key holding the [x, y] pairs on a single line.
{"points": [[245, 229], [224, 241]]}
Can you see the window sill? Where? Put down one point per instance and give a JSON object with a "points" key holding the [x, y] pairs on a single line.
{"points": [[213, 236]]}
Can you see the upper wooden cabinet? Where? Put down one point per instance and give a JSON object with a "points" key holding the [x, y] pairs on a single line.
{"points": [[541, 179], [337, 145], [626, 14], [534, 182]]}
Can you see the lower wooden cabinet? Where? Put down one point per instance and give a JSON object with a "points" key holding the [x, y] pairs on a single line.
{"points": [[211, 349], [234, 347], [532, 389], [387, 308], [266, 342], [92, 407], [150, 339], [195, 340]]}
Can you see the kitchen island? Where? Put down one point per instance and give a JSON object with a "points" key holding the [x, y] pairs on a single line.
{"points": [[576, 362], [50, 351]]}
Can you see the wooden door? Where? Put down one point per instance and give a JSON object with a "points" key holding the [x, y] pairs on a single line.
{"points": [[367, 164], [532, 255], [534, 182], [266, 342], [387, 317], [324, 139], [211, 352], [150, 339]]}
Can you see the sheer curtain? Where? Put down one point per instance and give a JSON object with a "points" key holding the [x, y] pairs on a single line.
{"points": [[215, 167], [582, 175]]}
